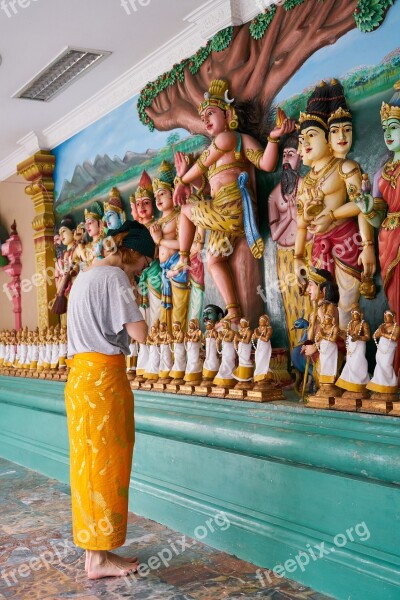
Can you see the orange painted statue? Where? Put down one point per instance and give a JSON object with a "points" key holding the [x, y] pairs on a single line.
{"points": [[228, 164]]}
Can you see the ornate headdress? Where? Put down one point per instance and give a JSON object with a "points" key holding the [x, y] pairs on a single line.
{"points": [[166, 177], [217, 95], [392, 110], [69, 222], [144, 189], [318, 107], [316, 277], [95, 212], [114, 202], [339, 111]]}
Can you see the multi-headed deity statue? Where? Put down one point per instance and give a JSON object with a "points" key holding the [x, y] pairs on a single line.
{"points": [[322, 203]]}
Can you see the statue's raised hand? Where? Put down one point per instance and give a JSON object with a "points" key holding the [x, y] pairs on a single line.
{"points": [[287, 126], [180, 194], [181, 164]]}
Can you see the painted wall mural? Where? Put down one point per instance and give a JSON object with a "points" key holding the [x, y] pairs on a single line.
{"points": [[278, 59]]}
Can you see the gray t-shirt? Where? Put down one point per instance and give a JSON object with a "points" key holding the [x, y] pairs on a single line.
{"points": [[101, 301]]}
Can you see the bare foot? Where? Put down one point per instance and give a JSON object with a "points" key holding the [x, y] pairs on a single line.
{"points": [[121, 561], [108, 569]]}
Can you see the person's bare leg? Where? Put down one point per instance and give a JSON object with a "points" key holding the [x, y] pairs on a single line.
{"points": [[99, 565], [220, 271]]}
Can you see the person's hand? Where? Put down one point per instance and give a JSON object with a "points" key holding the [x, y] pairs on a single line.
{"points": [[368, 260], [156, 233], [181, 164], [320, 224], [287, 126], [180, 194]]}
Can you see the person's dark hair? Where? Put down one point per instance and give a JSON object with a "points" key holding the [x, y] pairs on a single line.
{"points": [[338, 100], [318, 104]]}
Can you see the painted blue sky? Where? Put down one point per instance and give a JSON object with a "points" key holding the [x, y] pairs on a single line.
{"points": [[352, 50], [114, 134], [121, 130]]}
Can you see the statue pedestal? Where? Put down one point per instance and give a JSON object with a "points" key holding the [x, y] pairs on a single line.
{"points": [[160, 385], [381, 404], [147, 385], [188, 388], [350, 400], [326, 397], [219, 391], [131, 375], [265, 393], [204, 388], [237, 393]]}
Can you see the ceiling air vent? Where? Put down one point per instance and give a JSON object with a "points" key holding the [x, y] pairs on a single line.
{"points": [[60, 73]]}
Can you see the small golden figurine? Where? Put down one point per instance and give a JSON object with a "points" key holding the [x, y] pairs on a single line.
{"points": [[178, 368], [166, 362], [224, 379], [151, 373], [194, 367], [244, 371], [212, 361]]}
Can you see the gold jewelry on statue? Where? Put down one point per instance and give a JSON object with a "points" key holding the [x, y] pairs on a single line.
{"points": [[340, 113], [390, 172], [254, 156], [184, 253], [299, 256], [332, 216], [234, 122], [350, 173], [392, 221], [310, 117], [273, 140], [232, 305], [168, 218], [178, 179], [214, 145], [367, 243], [201, 165]]}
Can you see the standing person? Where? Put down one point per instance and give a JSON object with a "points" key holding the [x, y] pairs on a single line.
{"points": [[102, 315]]}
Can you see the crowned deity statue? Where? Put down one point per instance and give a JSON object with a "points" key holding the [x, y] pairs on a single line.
{"points": [[339, 245], [149, 286], [354, 376], [387, 190], [226, 349], [179, 367], [114, 214], [69, 264], [229, 216], [175, 293], [193, 341], [243, 345], [384, 382], [282, 215], [165, 345], [92, 247]]}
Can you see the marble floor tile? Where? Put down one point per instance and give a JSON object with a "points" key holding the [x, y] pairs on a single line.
{"points": [[38, 560]]}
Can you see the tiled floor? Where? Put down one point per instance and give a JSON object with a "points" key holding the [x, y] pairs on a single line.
{"points": [[35, 524]]}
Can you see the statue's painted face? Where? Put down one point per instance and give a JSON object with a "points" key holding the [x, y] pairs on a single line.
{"points": [[163, 326], [341, 138], [214, 120], [314, 144], [312, 290], [209, 314], [291, 157], [388, 317], [92, 227], [391, 134], [113, 219], [164, 200], [144, 207], [355, 315], [209, 325], [66, 235]]}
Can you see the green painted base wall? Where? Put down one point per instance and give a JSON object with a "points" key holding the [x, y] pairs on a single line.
{"points": [[287, 478]]}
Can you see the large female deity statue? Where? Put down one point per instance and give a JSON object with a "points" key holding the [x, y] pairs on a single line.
{"points": [[389, 190], [322, 203], [228, 164], [69, 265]]}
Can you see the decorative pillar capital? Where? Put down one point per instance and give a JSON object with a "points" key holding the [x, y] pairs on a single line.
{"points": [[38, 170]]}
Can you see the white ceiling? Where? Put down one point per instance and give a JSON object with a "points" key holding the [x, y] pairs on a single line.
{"points": [[143, 43]]}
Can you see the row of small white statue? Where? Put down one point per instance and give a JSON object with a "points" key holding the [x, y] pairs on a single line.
{"points": [[182, 361], [33, 356]]}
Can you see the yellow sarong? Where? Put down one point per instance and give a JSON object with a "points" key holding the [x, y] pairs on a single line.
{"points": [[99, 405]]}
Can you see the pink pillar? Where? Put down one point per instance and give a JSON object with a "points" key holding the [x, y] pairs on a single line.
{"points": [[12, 249]]}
